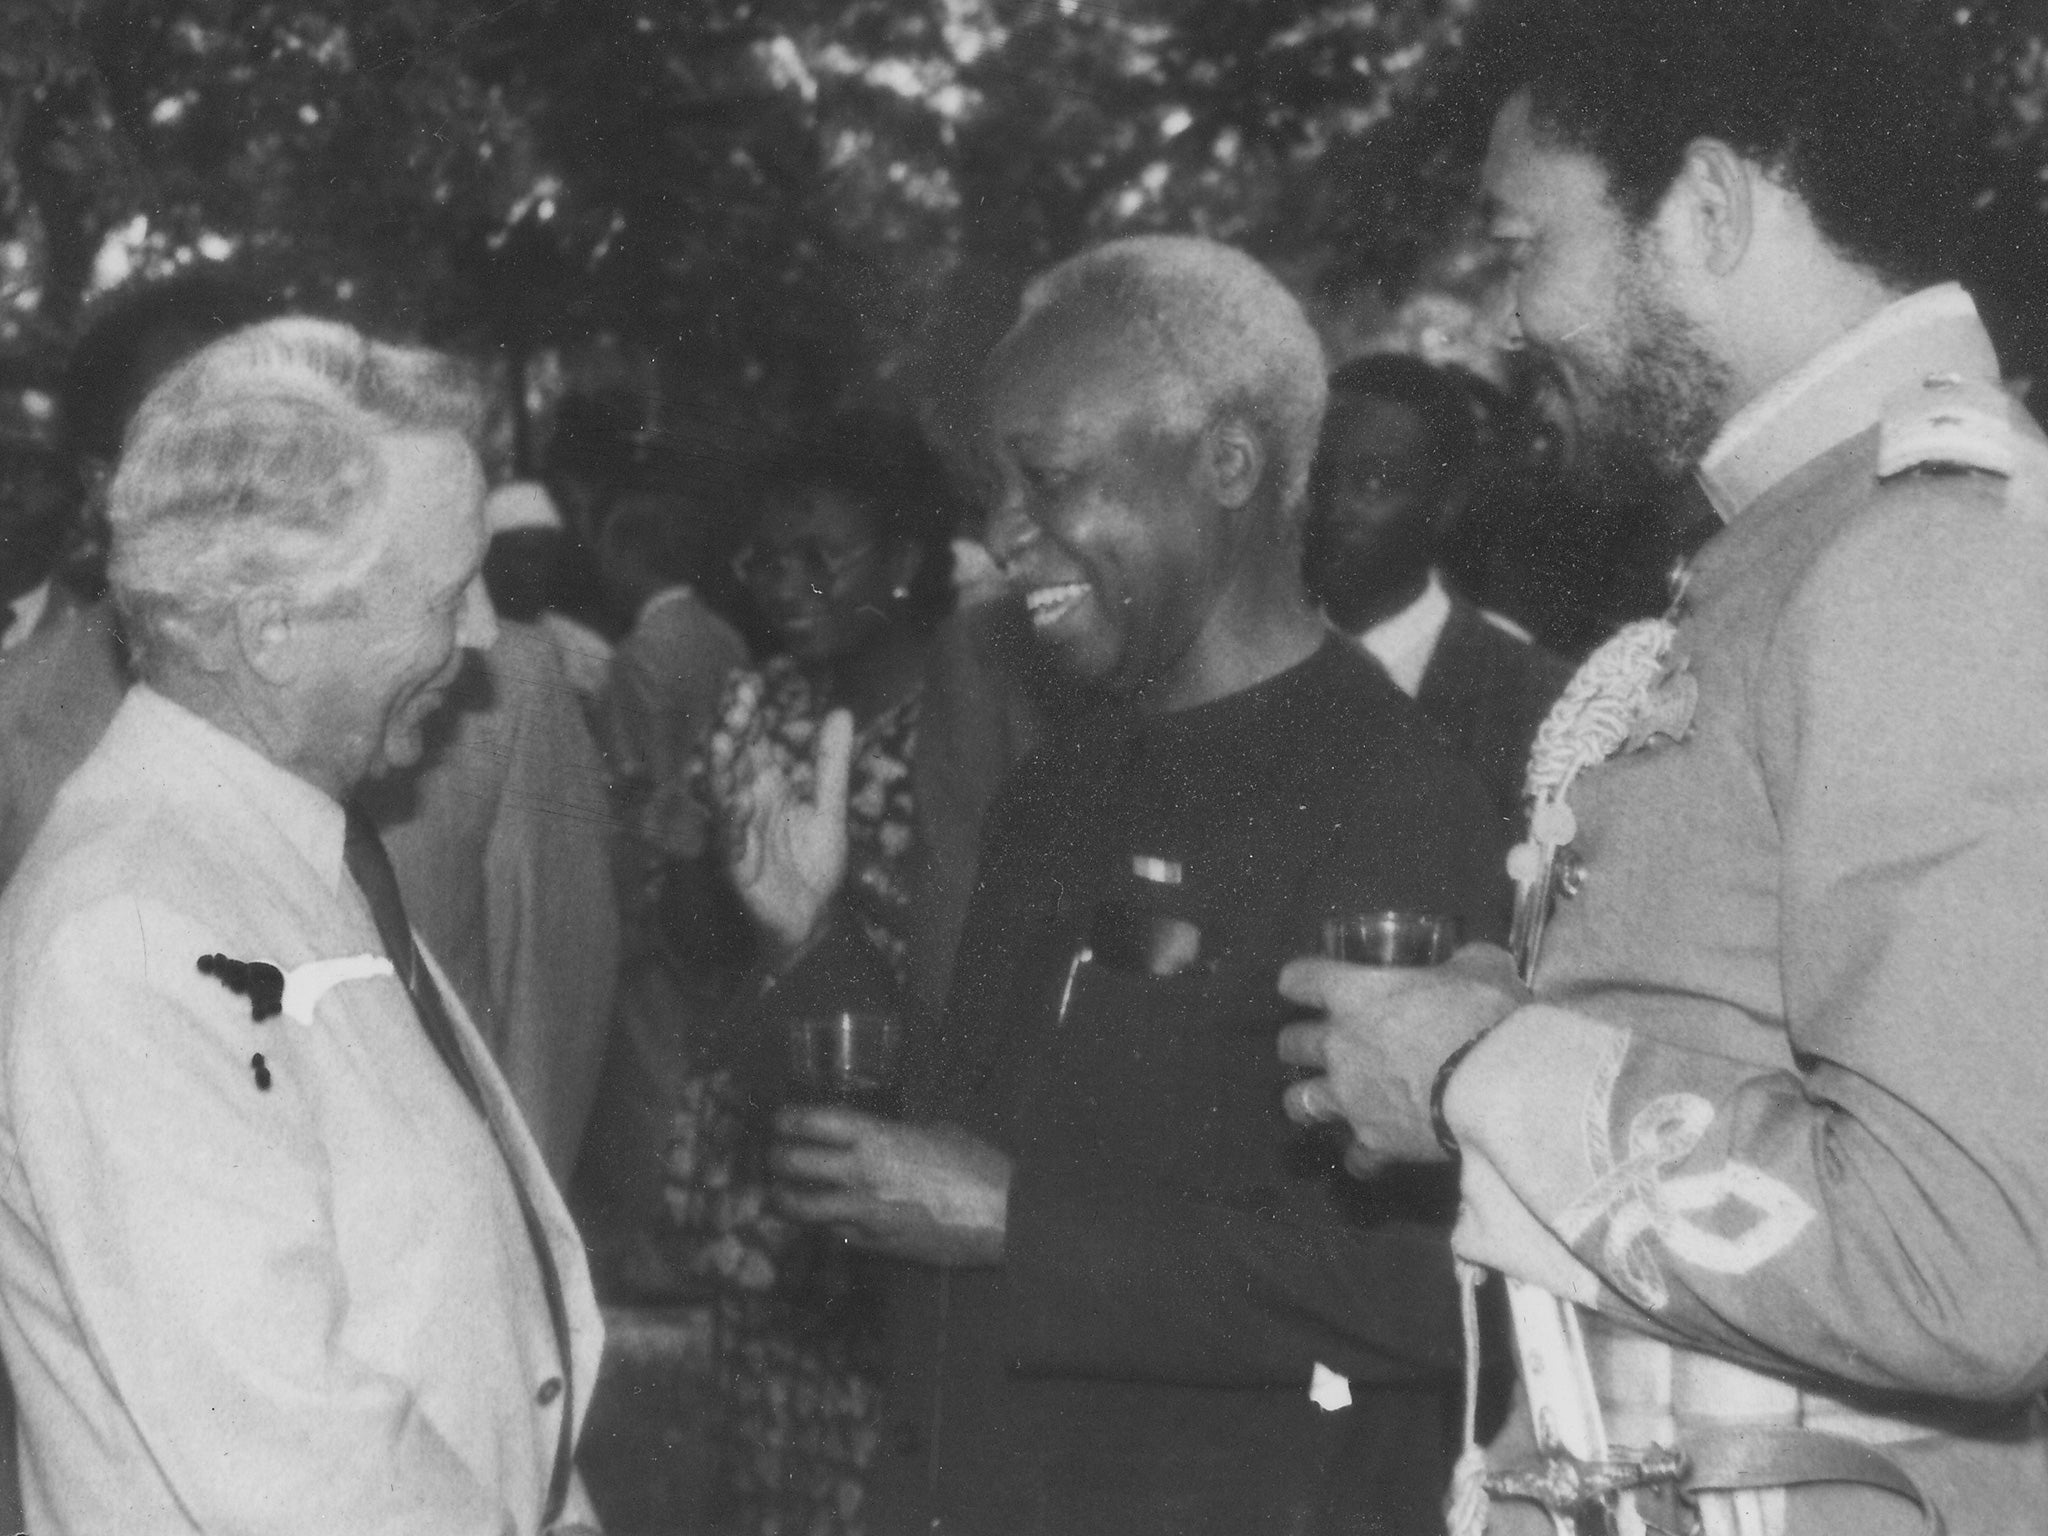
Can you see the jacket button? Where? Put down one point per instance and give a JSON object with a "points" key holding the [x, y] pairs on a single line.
{"points": [[549, 1391], [1571, 874]]}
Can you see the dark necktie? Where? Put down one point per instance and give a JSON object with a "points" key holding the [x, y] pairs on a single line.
{"points": [[370, 866]]}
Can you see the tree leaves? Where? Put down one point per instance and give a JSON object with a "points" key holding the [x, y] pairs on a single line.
{"points": [[786, 202]]}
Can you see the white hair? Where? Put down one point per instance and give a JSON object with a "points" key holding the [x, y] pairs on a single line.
{"points": [[1230, 336], [245, 470]]}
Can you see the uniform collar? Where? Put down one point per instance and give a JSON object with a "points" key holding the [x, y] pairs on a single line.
{"points": [[1841, 390], [308, 818]]}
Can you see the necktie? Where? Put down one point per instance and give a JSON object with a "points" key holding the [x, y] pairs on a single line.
{"points": [[370, 867]]}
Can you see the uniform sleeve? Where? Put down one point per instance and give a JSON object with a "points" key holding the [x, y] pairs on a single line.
{"points": [[187, 1218], [1880, 1213], [551, 916]]}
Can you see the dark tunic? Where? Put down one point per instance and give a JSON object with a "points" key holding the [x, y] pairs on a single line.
{"points": [[1180, 1257]]}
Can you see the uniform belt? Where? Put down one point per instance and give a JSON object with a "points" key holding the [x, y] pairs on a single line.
{"points": [[1738, 1429], [1651, 1391], [1733, 1458]]}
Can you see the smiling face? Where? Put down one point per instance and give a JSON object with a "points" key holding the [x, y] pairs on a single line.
{"points": [[1593, 300], [1102, 519], [384, 658]]}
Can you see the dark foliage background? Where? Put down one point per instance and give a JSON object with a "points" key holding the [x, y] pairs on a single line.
{"points": [[746, 210]]}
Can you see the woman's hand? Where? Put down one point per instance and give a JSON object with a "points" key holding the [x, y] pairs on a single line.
{"points": [[788, 851]]}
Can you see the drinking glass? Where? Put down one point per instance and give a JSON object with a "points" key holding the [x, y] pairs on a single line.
{"points": [[850, 1057], [1390, 938]]}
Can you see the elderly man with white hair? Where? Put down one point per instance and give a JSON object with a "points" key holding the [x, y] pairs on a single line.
{"points": [[276, 1250], [1127, 1272]]}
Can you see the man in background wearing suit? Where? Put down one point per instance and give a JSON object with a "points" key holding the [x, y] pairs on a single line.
{"points": [[1396, 457], [278, 1252]]}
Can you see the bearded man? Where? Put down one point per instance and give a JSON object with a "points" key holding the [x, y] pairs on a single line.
{"points": [[1767, 1114]]}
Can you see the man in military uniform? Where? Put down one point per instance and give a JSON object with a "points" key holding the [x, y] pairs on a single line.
{"points": [[1766, 1108]]}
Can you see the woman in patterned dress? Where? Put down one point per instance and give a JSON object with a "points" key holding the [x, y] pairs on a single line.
{"points": [[849, 570]]}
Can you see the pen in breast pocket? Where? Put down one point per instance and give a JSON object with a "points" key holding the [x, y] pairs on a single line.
{"points": [[1081, 957]]}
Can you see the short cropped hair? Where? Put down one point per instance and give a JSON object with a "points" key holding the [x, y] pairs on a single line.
{"points": [[1230, 334], [246, 470], [1441, 397], [1833, 97]]}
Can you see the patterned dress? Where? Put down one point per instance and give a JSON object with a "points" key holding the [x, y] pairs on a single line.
{"points": [[797, 1320]]}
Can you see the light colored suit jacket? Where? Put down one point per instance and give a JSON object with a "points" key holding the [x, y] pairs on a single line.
{"points": [[296, 1299]]}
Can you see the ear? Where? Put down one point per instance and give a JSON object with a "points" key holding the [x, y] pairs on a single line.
{"points": [[1711, 206], [269, 638], [1233, 461]]}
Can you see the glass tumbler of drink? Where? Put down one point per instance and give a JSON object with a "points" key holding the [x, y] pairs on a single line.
{"points": [[850, 1057], [1390, 938]]}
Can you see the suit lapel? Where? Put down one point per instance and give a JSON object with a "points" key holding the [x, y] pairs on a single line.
{"points": [[586, 1326]]}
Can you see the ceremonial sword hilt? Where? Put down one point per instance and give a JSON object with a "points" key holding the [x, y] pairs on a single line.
{"points": [[1571, 1490]]}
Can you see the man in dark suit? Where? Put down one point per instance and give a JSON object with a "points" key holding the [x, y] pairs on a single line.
{"points": [[1123, 1275], [1396, 459]]}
